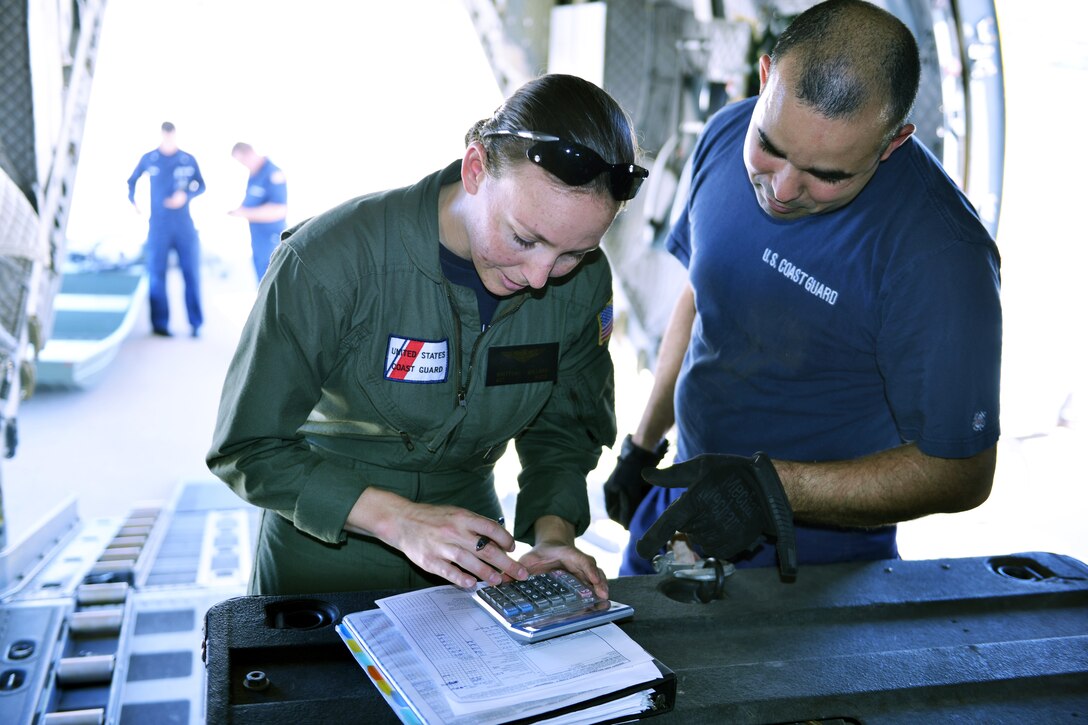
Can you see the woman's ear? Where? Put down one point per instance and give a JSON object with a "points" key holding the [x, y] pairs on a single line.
{"points": [[473, 167]]}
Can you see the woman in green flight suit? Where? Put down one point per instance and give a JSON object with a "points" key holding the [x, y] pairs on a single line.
{"points": [[400, 340]]}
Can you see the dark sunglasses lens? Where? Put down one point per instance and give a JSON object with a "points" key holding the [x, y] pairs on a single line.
{"points": [[626, 183], [571, 164], [576, 165]]}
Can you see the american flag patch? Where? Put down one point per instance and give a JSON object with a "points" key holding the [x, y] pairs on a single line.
{"points": [[604, 324]]}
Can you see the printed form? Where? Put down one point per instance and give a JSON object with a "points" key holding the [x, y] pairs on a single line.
{"points": [[478, 664]]}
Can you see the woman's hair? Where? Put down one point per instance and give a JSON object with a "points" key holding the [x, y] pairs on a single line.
{"points": [[559, 105]]}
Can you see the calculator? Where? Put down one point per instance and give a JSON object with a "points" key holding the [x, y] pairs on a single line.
{"points": [[547, 605]]}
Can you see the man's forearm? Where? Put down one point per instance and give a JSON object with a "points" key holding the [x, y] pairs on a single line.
{"points": [[884, 488], [262, 213], [659, 415]]}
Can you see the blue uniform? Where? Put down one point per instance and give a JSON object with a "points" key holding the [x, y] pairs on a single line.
{"points": [[268, 185], [171, 229], [832, 336]]}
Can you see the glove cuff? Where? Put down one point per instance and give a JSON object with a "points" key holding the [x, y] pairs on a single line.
{"points": [[630, 448]]}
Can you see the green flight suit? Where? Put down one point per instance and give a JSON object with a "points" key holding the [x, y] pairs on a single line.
{"points": [[361, 365]]}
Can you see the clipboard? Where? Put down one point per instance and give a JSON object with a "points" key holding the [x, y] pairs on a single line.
{"points": [[658, 694], [661, 699], [380, 678]]}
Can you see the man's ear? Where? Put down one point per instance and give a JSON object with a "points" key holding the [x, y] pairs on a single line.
{"points": [[473, 167], [898, 140], [764, 71]]}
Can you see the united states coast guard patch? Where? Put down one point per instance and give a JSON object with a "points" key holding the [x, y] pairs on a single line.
{"points": [[604, 323], [417, 361]]}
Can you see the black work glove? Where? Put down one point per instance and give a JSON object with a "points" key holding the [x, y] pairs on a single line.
{"points": [[731, 504], [625, 488]]}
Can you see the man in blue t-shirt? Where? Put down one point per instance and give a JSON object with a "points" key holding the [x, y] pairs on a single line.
{"points": [[842, 310], [175, 179], [265, 204]]}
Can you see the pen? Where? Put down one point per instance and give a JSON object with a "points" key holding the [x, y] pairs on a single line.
{"points": [[483, 540]]}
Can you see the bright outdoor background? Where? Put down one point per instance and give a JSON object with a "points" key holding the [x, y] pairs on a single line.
{"points": [[351, 97]]}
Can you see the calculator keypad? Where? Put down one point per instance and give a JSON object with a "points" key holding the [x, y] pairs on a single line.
{"points": [[550, 594]]}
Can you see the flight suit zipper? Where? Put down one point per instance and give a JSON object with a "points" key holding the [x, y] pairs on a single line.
{"points": [[461, 390], [464, 379], [463, 384]]}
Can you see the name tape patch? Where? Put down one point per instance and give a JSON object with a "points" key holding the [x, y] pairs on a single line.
{"points": [[417, 361], [522, 364]]}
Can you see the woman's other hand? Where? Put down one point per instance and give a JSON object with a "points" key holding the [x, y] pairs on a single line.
{"points": [[554, 549]]}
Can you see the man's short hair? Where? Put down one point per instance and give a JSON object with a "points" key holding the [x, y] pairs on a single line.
{"points": [[849, 54], [241, 147], [167, 127]]}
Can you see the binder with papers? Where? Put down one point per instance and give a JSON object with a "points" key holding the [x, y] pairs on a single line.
{"points": [[436, 657]]}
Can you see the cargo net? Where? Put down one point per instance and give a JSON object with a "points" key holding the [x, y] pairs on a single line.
{"points": [[20, 248], [14, 286]]}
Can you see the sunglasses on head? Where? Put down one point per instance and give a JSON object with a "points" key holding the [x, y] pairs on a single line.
{"points": [[576, 165]]}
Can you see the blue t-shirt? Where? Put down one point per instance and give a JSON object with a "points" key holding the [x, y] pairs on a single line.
{"points": [[267, 186], [837, 335], [168, 174]]}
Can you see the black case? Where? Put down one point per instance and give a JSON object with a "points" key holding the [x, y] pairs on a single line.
{"points": [[984, 639]]}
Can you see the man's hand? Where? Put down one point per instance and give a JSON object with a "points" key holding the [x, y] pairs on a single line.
{"points": [[731, 504], [176, 200], [625, 488]]}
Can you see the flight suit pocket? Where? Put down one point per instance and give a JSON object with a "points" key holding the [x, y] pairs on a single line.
{"points": [[409, 384]]}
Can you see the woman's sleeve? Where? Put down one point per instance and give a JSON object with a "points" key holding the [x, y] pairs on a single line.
{"points": [[563, 444], [288, 345]]}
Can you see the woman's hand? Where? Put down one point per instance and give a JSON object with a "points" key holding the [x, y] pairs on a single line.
{"points": [[554, 549], [439, 539]]}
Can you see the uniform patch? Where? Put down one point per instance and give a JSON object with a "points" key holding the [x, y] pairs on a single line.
{"points": [[417, 361], [521, 364], [604, 323]]}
